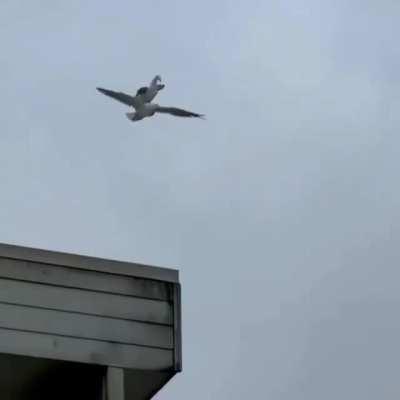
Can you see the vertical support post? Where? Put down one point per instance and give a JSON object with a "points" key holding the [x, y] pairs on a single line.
{"points": [[114, 384]]}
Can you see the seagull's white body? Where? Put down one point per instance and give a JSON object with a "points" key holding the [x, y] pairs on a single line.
{"points": [[144, 111], [142, 102]]}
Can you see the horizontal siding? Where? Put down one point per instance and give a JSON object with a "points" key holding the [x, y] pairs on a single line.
{"points": [[98, 281], [85, 326], [82, 350], [88, 263], [88, 302], [81, 309]]}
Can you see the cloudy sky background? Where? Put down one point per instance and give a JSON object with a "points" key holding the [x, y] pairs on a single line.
{"points": [[281, 210]]}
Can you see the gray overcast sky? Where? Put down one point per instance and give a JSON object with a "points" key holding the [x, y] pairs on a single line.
{"points": [[281, 210]]}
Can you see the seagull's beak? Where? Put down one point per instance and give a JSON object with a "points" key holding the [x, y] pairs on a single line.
{"points": [[160, 86]]}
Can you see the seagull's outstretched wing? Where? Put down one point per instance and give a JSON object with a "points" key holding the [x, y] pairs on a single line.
{"points": [[122, 97], [178, 112]]}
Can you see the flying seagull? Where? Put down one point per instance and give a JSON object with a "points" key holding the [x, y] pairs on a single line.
{"points": [[142, 104]]}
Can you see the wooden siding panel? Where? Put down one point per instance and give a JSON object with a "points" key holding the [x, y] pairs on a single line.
{"points": [[103, 304], [98, 281], [88, 263], [85, 326], [87, 351]]}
